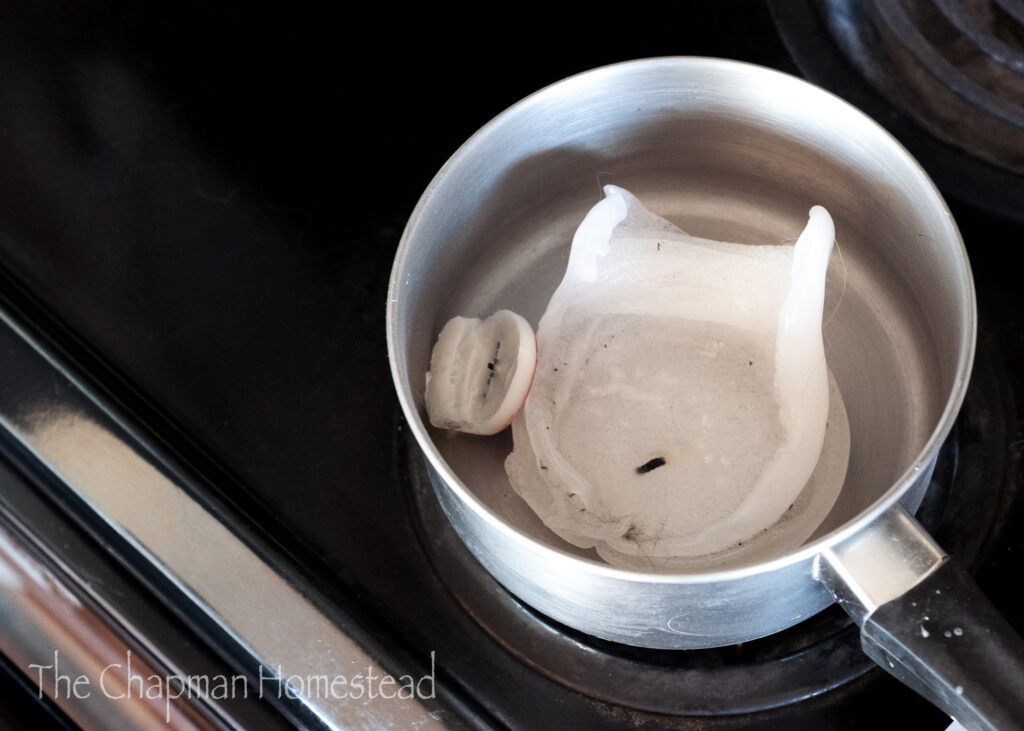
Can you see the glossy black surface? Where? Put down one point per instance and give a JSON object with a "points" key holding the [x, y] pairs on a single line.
{"points": [[200, 203], [209, 200]]}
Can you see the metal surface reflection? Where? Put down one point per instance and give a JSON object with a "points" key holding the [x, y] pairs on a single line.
{"points": [[126, 485], [48, 632]]}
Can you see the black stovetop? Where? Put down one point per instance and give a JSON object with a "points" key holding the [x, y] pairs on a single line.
{"points": [[201, 202]]}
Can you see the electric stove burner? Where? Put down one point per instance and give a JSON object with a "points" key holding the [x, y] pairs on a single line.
{"points": [[792, 673], [945, 76], [956, 68]]}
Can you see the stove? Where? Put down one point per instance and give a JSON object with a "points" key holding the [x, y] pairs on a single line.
{"points": [[198, 213]]}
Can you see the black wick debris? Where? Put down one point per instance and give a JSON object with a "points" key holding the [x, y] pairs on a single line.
{"points": [[651, 465], [490, 369]]}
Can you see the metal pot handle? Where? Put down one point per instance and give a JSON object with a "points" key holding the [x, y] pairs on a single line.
{"points": [[925, 621]]}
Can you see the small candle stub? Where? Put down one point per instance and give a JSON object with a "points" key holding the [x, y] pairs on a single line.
{"points": [[480, 372]]}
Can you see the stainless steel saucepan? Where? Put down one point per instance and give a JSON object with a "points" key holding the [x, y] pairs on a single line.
{"points": [[732, 152]]}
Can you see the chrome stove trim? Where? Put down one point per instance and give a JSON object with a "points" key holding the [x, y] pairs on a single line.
{"points": [[100, 588], [123, 480], [48, 631]]}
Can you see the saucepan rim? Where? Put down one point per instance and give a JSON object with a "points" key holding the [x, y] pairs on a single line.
{"points": [[954, 400]]}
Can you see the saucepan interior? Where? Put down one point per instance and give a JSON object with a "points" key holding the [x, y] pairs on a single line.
{"points": [[728, 152]]}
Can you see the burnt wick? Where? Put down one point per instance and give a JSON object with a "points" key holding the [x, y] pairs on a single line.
{"points": [[651, 465]]}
